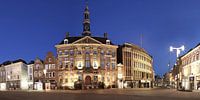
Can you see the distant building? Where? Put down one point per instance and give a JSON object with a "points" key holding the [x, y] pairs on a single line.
{"points": [[51, 68], [38, 74], [2, 77], [138, 66], [158, 81], [16, 75]]}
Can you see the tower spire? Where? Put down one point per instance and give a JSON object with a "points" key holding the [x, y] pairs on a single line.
{"points": [[86, 21]]}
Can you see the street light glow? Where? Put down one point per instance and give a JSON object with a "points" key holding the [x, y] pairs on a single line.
{"points": [[178, 50]]}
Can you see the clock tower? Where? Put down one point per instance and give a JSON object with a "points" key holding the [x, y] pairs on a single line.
{"points": [[86, 22]]}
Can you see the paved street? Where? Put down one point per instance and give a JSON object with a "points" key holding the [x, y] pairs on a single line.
{"points": [[111, 94]]}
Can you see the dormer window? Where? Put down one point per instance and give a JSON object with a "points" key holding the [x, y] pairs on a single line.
{"points": [[108, 42], [66, 41]]}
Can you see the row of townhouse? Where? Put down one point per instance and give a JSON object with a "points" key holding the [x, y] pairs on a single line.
{"points": [[19, 75]]}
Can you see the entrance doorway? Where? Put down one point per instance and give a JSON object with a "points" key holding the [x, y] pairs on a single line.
{"points": [[88, 80]]}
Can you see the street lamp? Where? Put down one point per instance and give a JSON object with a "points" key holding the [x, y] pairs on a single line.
{"points": [[178, 50]]}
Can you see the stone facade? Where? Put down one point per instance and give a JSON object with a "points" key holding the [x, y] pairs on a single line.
{"points": [[138, 66], [190, 74]]}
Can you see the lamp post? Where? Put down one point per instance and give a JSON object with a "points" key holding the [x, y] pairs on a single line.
{"points": [[178, 51]]}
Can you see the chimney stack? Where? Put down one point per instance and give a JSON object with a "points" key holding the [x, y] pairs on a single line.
{"points": [[105, 35], [67, 34]]}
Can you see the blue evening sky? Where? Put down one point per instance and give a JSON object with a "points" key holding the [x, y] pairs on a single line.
{"points": [[31, 28]]}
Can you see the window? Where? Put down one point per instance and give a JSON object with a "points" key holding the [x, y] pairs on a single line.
{"points": [[46, 66], [60, 53], [108, 79], [79, 65], [30, 70], [113, 65], [107, 41], [71, 52], [108, 65], [87, 52], [61, 80], [79, 52], [30, 77], [35, 74], [113, 54], [66, 41], [53, 66], [102, 52], [53, 74], [37, 66], [95, 52], [108, 52], [40, 74], [66, 80], [66, 52], [87, 63], [102, 64], [49, 75]]}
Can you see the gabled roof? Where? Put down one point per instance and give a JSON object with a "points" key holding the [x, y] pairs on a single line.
{"points": [[73, 39]]}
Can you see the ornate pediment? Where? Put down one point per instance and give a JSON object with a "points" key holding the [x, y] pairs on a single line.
{"points": [[87, 40]]}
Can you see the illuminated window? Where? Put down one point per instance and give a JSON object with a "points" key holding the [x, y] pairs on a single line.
{"points": [[71, 52], [79, 52], [35, 74], [107, 41], [87, 64], [102, 52], [66, 52], [46, 66], [102, 64], [108, 65], [66, 41], [49, 59], [95, 52], [113, 65], [87, 52], [53, 66], [108, 52], [37, 66], [95, 65], [60, 53]]}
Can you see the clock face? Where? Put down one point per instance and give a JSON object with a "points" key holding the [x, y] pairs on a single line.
{"points": [[86, 27]]}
